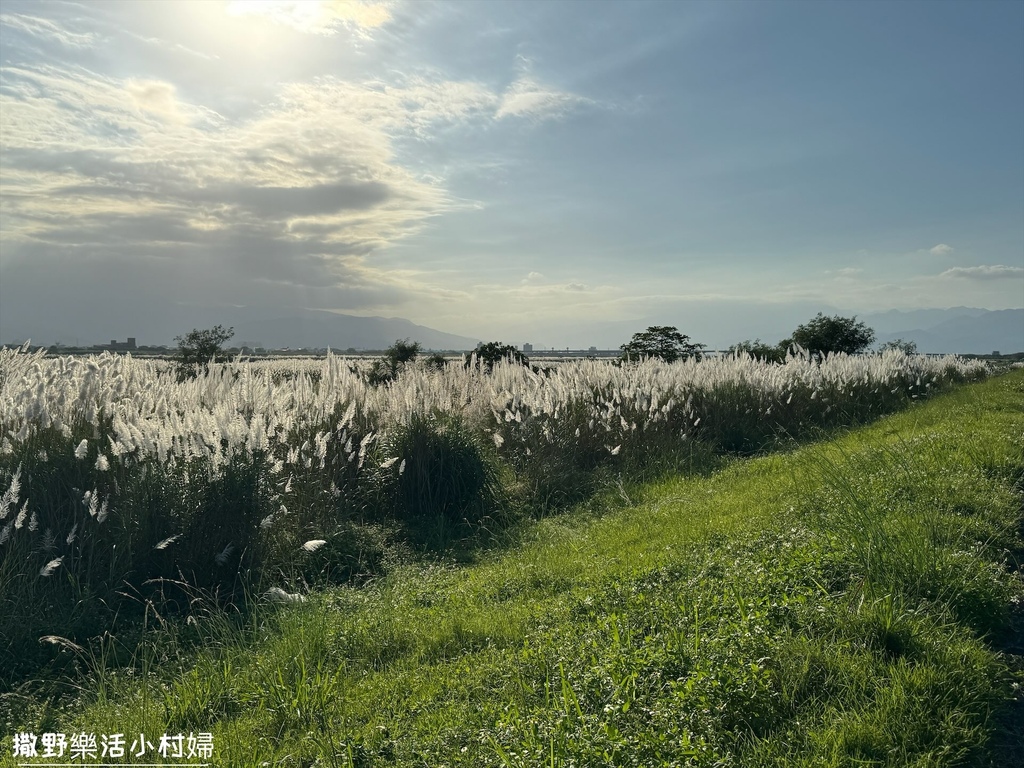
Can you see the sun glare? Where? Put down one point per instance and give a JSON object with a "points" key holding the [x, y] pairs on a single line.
{"points": [[313, 16]]}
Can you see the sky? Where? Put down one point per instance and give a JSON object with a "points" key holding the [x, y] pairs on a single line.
{"points": [[552, 172]]}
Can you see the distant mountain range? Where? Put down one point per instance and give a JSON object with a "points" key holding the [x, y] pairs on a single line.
{"points": [[964, 330], [256, 326]]}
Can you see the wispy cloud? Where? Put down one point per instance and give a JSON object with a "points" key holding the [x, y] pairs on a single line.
{"points": [[985, 272], [527, 98], [940, 250], [48, 30]]}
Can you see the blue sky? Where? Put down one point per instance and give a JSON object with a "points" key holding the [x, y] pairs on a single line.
{"points": [[537, 171]]}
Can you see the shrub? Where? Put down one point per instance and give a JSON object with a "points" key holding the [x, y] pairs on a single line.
{"points": [[435, 472], [759, 350], [395, 359]]}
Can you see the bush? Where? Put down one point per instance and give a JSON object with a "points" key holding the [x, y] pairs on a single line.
{"points": [[396, 358], [435, 473], [760, 350]]}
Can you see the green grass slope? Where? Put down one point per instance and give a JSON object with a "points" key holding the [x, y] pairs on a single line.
{"points": [[852, 602]]}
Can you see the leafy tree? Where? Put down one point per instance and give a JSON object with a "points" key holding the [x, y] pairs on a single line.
{"points": [[437, 362], [761, 350], [823, 335], [490, 353], [199, 348], [396, 357], [906, 347], [662, 341]]}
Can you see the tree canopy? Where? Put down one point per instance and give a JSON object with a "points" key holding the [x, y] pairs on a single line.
{"points": [[661, 341], [823, 335], [490, 353], [199, 348], [396, 357], [761, 350], [906, 347]]}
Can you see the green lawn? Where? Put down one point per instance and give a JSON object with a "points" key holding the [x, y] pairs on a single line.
{"points": [[845, 603]]}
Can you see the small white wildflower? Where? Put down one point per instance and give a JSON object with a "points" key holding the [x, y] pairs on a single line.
{"points": [[314, 544], [278, 595], [614, 451], [82, 449], [50, 567]]}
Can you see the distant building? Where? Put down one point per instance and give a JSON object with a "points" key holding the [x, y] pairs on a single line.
{"points": [[527, 349], [592, 351], [120, 346]]}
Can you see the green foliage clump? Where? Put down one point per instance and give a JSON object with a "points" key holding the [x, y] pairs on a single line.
{"points": [[395, 359], [760, 350], [824, 335], [489, 354], [661, 341], [436, 475], [906, 347], [199, 348]]}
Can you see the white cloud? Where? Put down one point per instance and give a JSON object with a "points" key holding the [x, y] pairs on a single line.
{"points": [[155, 97], [849, 271], [532, 278], [940, 250], [529, 99], [48, 30], [90, 160], [985, 272]]}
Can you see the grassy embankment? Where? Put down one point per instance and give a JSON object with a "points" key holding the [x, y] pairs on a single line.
{"points": [[842, 604]]}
